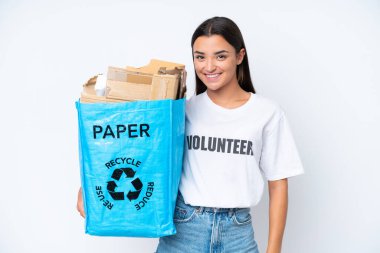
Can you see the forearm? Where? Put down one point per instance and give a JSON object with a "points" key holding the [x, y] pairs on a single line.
{"points": [[278, 205]]}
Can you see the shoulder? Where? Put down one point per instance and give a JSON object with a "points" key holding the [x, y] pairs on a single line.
{"points": [[272, 113], [195, 101], [194, 98], [268, 105]]}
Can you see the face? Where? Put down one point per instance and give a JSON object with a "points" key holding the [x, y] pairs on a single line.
{"points": [[215, 62]]}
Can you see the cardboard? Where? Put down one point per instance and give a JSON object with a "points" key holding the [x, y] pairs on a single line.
{"points": [[157, 80], [89, 94]]}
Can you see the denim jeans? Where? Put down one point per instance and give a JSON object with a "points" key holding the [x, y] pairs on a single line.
{"points": [[211, 230]]}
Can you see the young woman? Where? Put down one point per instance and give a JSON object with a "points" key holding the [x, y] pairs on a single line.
{"points": [[232, 136]]}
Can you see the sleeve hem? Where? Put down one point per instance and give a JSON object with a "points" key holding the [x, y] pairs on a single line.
{"points": [[287, 175]]}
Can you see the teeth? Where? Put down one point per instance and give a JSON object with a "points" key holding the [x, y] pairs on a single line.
{"points": [[212, 76]]}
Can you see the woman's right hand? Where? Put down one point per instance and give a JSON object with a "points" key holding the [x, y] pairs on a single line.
{"points": [[80, 207]]}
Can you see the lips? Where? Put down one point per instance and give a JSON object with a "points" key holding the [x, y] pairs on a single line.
{"points": [[212, 77]]}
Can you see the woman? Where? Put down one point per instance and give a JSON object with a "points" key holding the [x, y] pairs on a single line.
{"points": [[232, 136]]}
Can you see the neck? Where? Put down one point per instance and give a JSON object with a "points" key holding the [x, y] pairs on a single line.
{"points": [[229, 96]]}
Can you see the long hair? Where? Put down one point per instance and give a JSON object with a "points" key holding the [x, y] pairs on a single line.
{"points": [[226, 28]]}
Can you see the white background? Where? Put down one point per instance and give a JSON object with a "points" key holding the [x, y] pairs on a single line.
{"points": [[318, 59]]}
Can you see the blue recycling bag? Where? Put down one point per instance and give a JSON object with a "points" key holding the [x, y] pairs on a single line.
{"points": [[131, 162]]}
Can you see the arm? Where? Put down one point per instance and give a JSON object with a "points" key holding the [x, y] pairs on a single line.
{"points": [[278, 205], [80, 203]]}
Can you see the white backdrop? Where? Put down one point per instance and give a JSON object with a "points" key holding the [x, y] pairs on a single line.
{"points": [[318, 59]]}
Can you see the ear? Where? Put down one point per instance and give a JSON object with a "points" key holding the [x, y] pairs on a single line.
{"points": [[240, 56]]}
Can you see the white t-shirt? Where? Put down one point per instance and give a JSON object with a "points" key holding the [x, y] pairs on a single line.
{"points": [[227, 149]]}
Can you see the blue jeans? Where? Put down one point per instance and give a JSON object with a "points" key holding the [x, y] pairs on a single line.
{"points": [[207, 229]]}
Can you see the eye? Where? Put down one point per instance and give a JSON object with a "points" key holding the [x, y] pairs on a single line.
{"points": [[199, 57], [221, 57]]}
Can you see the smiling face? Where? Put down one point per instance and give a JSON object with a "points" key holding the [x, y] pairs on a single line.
{"points": [[215, 62]]}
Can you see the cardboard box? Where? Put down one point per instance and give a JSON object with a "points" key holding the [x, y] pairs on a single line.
{"points": [[157, 80]]}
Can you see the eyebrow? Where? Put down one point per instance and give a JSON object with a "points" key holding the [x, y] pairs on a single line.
{"points": [[219, 52]]}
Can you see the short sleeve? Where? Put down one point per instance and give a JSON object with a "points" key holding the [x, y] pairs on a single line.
{"points": [[279, 155]]}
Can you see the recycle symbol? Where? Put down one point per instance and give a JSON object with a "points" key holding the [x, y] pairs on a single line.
{"points": [[130, 173]]}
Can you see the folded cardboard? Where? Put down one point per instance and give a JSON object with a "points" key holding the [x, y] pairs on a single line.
{"points": [[157, 80]]}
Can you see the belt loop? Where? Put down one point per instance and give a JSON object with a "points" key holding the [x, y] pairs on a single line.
{"points": [[200, 209], [230, 212]]}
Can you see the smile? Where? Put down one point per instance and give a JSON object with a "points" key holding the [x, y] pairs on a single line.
{"points": [[212, 76]]}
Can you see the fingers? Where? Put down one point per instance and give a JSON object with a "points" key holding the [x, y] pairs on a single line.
{"points": [[80, 207]]}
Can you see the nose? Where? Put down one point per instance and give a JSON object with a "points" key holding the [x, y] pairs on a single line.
{"points": [[210, 66]]}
